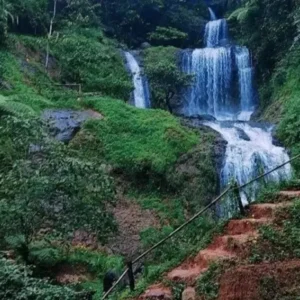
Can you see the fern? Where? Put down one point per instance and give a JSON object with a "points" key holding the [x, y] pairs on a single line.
{"points": [[43, 254], [15, 241], [241, 14], [8, 106]]}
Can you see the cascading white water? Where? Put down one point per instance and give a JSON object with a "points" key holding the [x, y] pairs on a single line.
{"points": [[141, 89], [209, 94], [215, 32], [245, 71], [250, 151], [223, 88], [223, 77]]}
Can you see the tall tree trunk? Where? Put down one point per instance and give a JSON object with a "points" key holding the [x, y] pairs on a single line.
{"points": [[50, 34]]}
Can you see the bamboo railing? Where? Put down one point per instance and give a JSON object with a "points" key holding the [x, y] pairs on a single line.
{"points": [[232, 188]]}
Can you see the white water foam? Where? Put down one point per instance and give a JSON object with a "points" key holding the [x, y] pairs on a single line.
{"points": [[141, 89]]}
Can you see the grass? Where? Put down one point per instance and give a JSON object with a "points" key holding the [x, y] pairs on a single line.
{"points": [[143, 145], [281, 240], [139, 141], [208, 284]]}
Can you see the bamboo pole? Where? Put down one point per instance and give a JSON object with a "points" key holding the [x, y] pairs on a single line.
{"points": [[230, 188]]}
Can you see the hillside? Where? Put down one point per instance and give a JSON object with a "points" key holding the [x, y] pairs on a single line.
{"points": [[88, 181]]}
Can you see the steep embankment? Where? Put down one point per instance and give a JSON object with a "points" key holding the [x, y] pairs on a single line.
{"points": [[225, 269], [140, 170]]}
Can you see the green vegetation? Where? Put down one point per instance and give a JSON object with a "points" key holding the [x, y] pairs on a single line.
{"points": [[50, 191], [16, 283], [74, 192], [165, 78], [88, 58], [139, 141], [166, 36], [277, 244], [208, 284], [134, 21]]}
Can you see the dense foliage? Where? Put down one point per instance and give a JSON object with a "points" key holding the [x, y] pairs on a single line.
{"points": [[166, 79], [16, 282], [135, 21], [46, 187], [270, 40], [88, 58]]}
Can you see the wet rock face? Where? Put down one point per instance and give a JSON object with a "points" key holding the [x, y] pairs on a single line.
{"points": [[63, 124], [242, 134]]}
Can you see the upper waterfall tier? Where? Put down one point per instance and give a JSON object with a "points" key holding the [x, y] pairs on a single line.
{"points": [[222, 84], [141, 95], [223, 77], [216, 33]]}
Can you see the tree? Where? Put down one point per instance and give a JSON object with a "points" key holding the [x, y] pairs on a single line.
{"points": [[167, 36], [242, 13], [5, 16], [164, 75], [49, 36], [33, 16]]}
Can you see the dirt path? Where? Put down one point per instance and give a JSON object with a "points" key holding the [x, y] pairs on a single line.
{"points": [[231, 245]]}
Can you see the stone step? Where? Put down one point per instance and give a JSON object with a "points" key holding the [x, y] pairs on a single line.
{"points": [[233, 243], [290, 194], [157, 292], [245, 226], [266, 210], [186, 273], [189, 271]]}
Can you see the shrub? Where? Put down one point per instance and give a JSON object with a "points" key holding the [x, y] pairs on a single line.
{"points": [[17, 283]]}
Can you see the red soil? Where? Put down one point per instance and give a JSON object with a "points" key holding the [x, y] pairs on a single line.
{"points": [[244, 283], [290, 194], [157, 292], [238, 234]]}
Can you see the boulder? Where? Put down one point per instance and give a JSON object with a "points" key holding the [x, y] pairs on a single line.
{"points": [[64, 124], [242, 134], [203, 117]]}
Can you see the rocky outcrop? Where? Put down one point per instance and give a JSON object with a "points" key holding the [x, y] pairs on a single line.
{"points": [[197, 172], [64, 124]]}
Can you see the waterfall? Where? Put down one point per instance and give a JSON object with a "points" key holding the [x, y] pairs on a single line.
{"points": [[209, 93], [215, 32], [245, 81], [213, 16], [141, 95], [250, 151], [223, 88]]}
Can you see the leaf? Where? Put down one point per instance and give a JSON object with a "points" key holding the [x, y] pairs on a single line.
{"points": [[8, 106]]}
